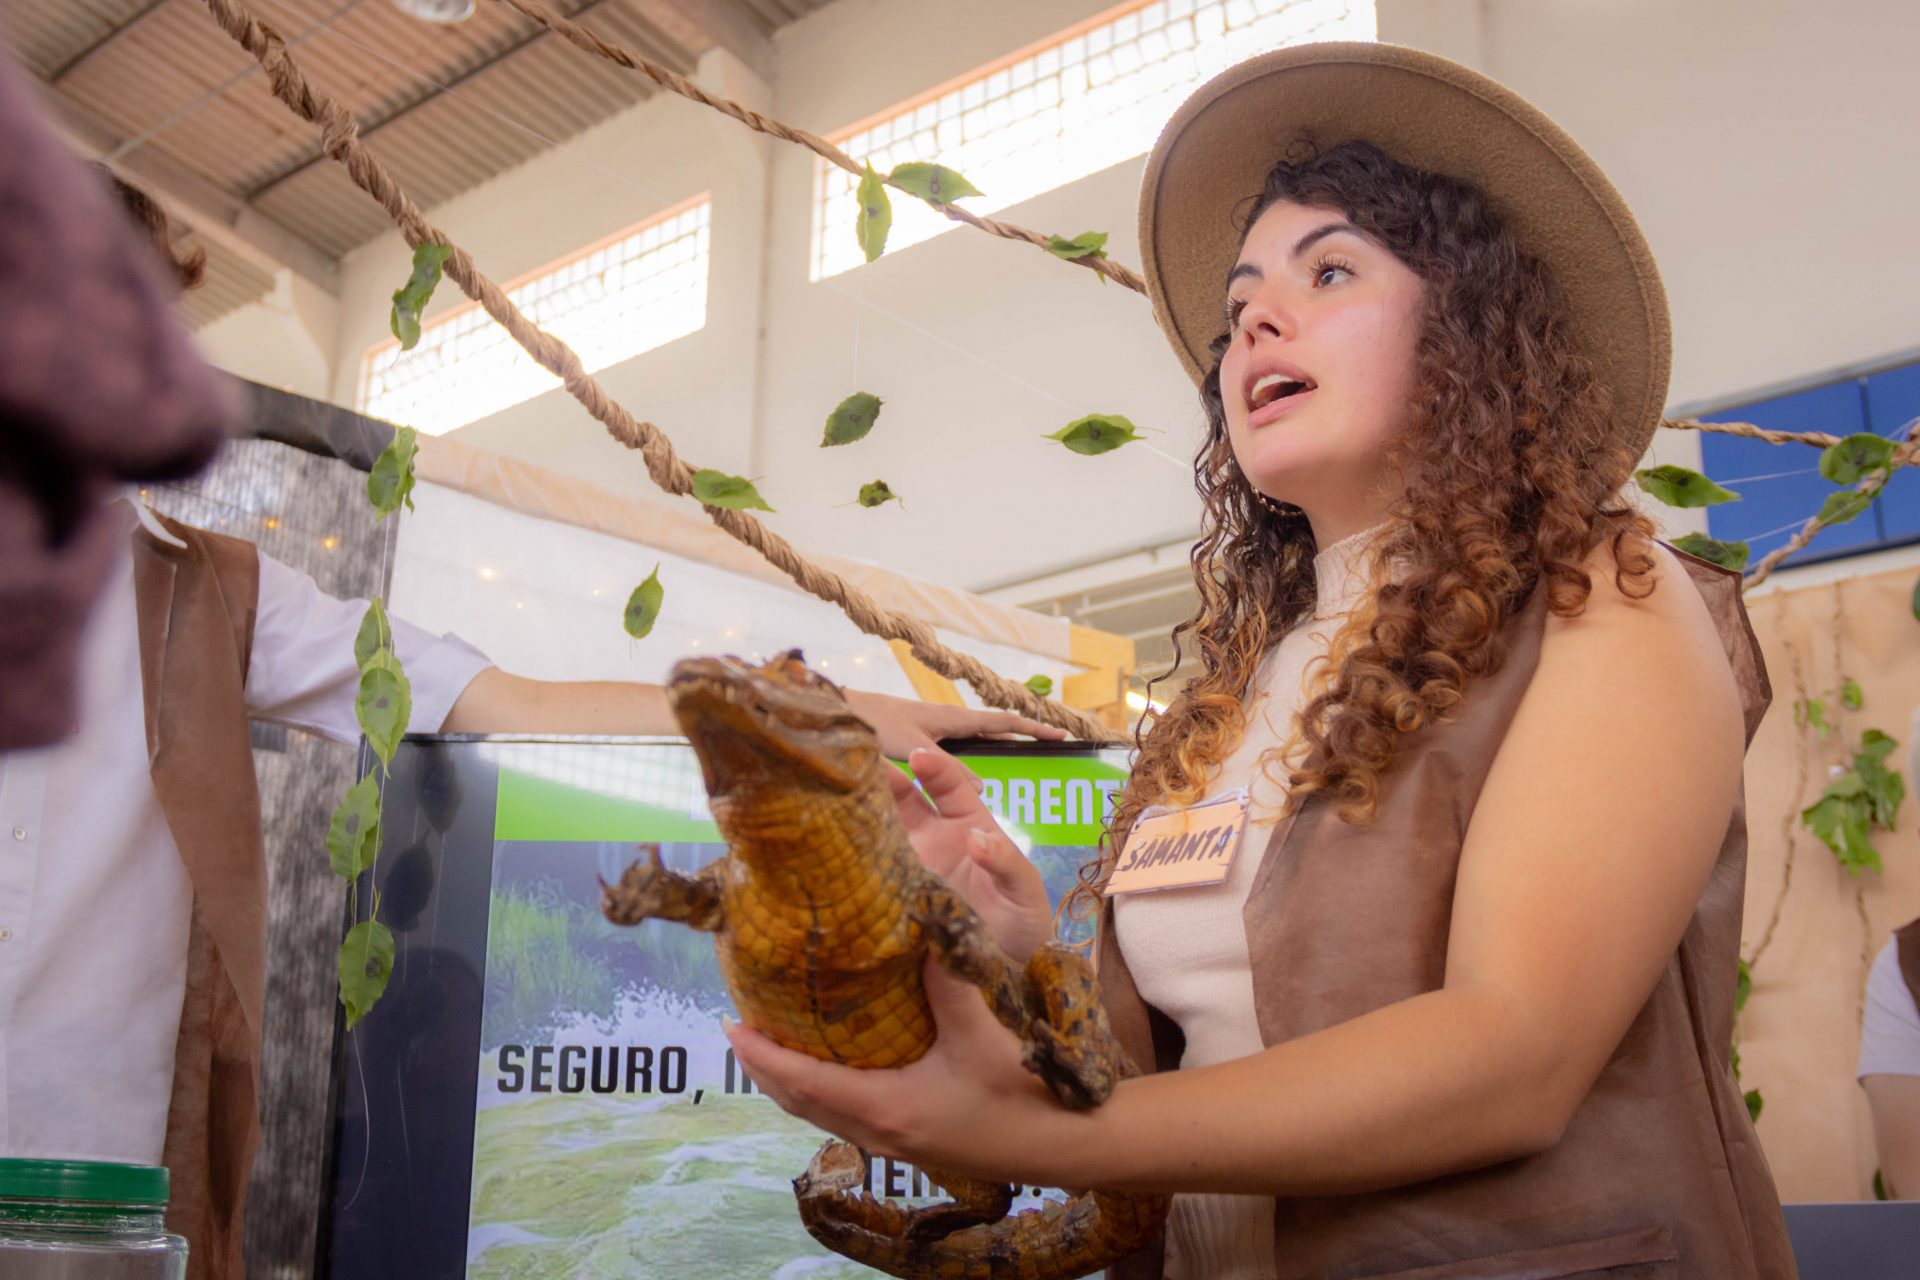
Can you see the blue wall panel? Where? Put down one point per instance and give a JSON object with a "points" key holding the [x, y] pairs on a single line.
{"points": [[1784, 499], [1893, 401]]}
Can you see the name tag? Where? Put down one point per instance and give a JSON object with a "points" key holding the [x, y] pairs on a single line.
{"points": [[1181, 848]]}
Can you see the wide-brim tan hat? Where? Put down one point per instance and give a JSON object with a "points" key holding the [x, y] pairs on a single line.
{"points": [[1429, 113]]}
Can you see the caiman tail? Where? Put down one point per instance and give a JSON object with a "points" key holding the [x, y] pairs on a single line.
{"points": [[1087, 1233]]}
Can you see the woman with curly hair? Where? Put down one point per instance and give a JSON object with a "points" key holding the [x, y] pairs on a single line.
{"points": [[1458, 1003]]}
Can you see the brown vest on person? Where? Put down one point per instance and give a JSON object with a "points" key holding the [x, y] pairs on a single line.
{"points": [[196, 610], [1659, 1173], [1906, 951]]}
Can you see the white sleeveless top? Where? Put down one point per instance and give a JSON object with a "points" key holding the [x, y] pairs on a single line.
{"points": [[1187, 948]]}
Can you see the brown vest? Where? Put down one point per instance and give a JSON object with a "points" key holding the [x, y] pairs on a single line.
{"points": [[196, 610], [1659, 1173]]}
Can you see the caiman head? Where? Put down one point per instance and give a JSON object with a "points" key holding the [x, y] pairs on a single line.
{"points": [[777, 726]]}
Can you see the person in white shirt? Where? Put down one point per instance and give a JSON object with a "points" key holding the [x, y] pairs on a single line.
{"points": [[1889, 1068], [97, 906]]}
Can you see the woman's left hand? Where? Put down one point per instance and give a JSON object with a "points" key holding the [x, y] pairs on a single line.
{"points": [[967, 1107]]}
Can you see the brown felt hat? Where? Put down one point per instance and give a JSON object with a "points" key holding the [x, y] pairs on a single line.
{"points": [[1429, 113]]}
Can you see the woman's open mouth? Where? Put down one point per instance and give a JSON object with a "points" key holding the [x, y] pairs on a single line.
{"points": [[1274, 395]]}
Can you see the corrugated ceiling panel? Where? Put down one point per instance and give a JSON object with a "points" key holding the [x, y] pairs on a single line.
{"points": [[46, 34], [231, 282]]}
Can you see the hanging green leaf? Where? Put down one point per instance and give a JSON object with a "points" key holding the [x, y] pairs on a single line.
{"points": [[1040, 686], [876, 215], [366, 963], [1679, 487], [851, 419], [1733, 1058], [643, 606], [1846, 505], [411, 298], [1754, 1103], [1841, 823], [1852, 458], [1916, 599], [390, 483], [1850, 694], [934, 182], [384, 704], [1728, 555], [353, 835], [376, 633], [718, 489], [1742, 988], [1088, 244], [876, 493], [1096, 433], [1879, 1186], [1813, 712], [1874, 743]]}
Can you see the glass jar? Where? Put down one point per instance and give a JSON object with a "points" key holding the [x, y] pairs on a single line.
{"points": [[82, 1220]]}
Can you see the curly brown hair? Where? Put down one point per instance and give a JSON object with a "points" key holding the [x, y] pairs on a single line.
{"points": [[1513, 468], [187, 267]]}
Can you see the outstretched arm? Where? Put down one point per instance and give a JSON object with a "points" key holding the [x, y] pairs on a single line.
{"points": [[499, 702]]}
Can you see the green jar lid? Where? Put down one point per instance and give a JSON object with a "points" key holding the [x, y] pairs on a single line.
{"points": [[88, 1181]]}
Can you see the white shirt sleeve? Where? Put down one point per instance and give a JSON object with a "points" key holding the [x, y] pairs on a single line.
{"points": [[1890, 1031], [303, 674]]}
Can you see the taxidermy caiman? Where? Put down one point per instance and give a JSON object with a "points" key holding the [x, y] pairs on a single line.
{"points": [[823, 918]]}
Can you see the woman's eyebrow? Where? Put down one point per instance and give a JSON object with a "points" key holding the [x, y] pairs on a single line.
{"points": [[1306, 242], [1318, 234]]}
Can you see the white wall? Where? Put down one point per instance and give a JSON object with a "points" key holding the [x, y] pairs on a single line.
{"points": [[1758, 140]]}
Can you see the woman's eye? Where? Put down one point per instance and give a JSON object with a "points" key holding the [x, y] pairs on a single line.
{"points": [[1234, 307], [1330, 273]]}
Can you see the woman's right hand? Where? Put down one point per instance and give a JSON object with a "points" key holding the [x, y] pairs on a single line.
{"points": [[958, 840]]}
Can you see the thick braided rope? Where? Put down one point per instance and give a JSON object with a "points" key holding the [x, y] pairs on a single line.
{"points": [[666, 78], [340, 139], [1905, 456]]}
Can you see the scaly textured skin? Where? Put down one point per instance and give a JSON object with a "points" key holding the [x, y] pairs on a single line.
{"points": [[823, 918]]}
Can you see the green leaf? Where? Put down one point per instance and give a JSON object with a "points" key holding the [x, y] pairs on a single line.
{"points": [[1882, 787], [643, 606], [411, 298], [718, 489], [1096, 433], [1088, 244], [1813, 712], [1742, 988], [933, 182], [353, 836], [876, 215], [1916, 599], [875, 493], [384, 705], [1850, 694], [1853, 457], [1846, 505], [1847, 785], [390, 483], [366, 963], [1876, 744], [1679, 487], [1733, 1059], [1754, 1103], [1879, 1186], [1728, 555], [851, 419], [376, 633], [1040, 686]]}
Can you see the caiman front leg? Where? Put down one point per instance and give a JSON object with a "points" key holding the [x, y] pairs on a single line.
{"points": [[1054, 1007], [648, 891]]}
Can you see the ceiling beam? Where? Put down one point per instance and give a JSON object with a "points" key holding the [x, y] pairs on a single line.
{"points": [[725, 23], [373, 125], [124, 29], [222, 218]]}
